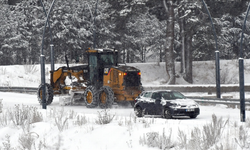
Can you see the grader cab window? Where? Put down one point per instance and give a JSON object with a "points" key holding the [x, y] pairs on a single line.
{"points": [[93, 68], [107, 59]]}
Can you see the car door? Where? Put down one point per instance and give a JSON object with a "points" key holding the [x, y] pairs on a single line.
{"points": [[156, 107], [147, 102]]}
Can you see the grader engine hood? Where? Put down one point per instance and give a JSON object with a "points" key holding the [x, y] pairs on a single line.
{"points": [[131, 75], [122, 77], [125, 81]]}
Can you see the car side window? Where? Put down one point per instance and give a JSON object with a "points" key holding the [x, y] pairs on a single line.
{"points": [[156, 95], [178, 95], [141, 95], [167, 96], [147, 94]]}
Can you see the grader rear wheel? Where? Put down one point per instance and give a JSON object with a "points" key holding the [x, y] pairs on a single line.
{"points": [[48, 94], [106, 97]]}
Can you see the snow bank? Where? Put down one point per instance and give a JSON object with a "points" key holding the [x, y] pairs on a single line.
{"points": [[153, 74]]}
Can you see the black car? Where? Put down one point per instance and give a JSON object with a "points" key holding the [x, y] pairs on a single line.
{"points": [[165, 103]]}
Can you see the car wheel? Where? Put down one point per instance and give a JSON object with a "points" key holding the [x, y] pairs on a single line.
{"points": [[167, 114], [138, 111], [193, 116], [132, 103]]}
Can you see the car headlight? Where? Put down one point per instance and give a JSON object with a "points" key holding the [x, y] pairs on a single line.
{"points": [[175, 106], [195, 106]]}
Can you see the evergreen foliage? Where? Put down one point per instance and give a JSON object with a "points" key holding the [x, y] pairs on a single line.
{"points": [[136, 28]]}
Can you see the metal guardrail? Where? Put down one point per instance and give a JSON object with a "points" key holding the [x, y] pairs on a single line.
{"points": [[198, 88], [19, 89], [204, 100], [185, 88], [205, 89], [200, 100]]}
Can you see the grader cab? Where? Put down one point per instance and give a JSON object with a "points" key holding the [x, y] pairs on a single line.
{"points": [[101, 82]]}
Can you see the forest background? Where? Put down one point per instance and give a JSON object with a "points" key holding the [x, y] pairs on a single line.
{"points": [[142, 31]]}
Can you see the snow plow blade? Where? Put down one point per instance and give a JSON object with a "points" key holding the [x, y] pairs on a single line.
{"points": [[75, 97], [65, 100]]}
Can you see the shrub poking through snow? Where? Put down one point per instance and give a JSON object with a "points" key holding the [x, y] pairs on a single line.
{"points": [[35, 115], [182, 138], [60, 120], [213, 131], [81, 120], [7, 144], [4, 118], [104, 117], [154, 139], [27, 141], [242, 139], [195, 142], [19, 115]]}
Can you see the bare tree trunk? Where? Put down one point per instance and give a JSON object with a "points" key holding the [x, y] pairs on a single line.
{"points": [[170, 66], [186, 33], [128, 56], [160, 59], [182, 31], [143, 54], [188, 59], [160, 52], [124, 55]]}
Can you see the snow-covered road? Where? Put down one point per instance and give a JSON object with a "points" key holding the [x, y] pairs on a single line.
{"points": [[12, 99]]}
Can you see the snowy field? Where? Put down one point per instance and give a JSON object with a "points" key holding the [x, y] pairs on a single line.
{"points": [[24, 125], [77, 128]]}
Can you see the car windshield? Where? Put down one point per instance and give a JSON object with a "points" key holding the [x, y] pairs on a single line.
{"points": [[172, 95]]}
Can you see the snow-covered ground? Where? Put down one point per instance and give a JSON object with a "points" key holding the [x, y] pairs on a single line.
{"points": [[82, 130], [77, 127]]}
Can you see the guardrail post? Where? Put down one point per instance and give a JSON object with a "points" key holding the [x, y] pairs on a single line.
{"points": [[242, 90], [43, 81], [217, 55], [52, 57]]}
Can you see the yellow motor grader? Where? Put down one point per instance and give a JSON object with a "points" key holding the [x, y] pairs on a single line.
{"points": [[101, 82]]}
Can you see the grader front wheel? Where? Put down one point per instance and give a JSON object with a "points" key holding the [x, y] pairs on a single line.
{"points": [[91, 97], [48, 94]]}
